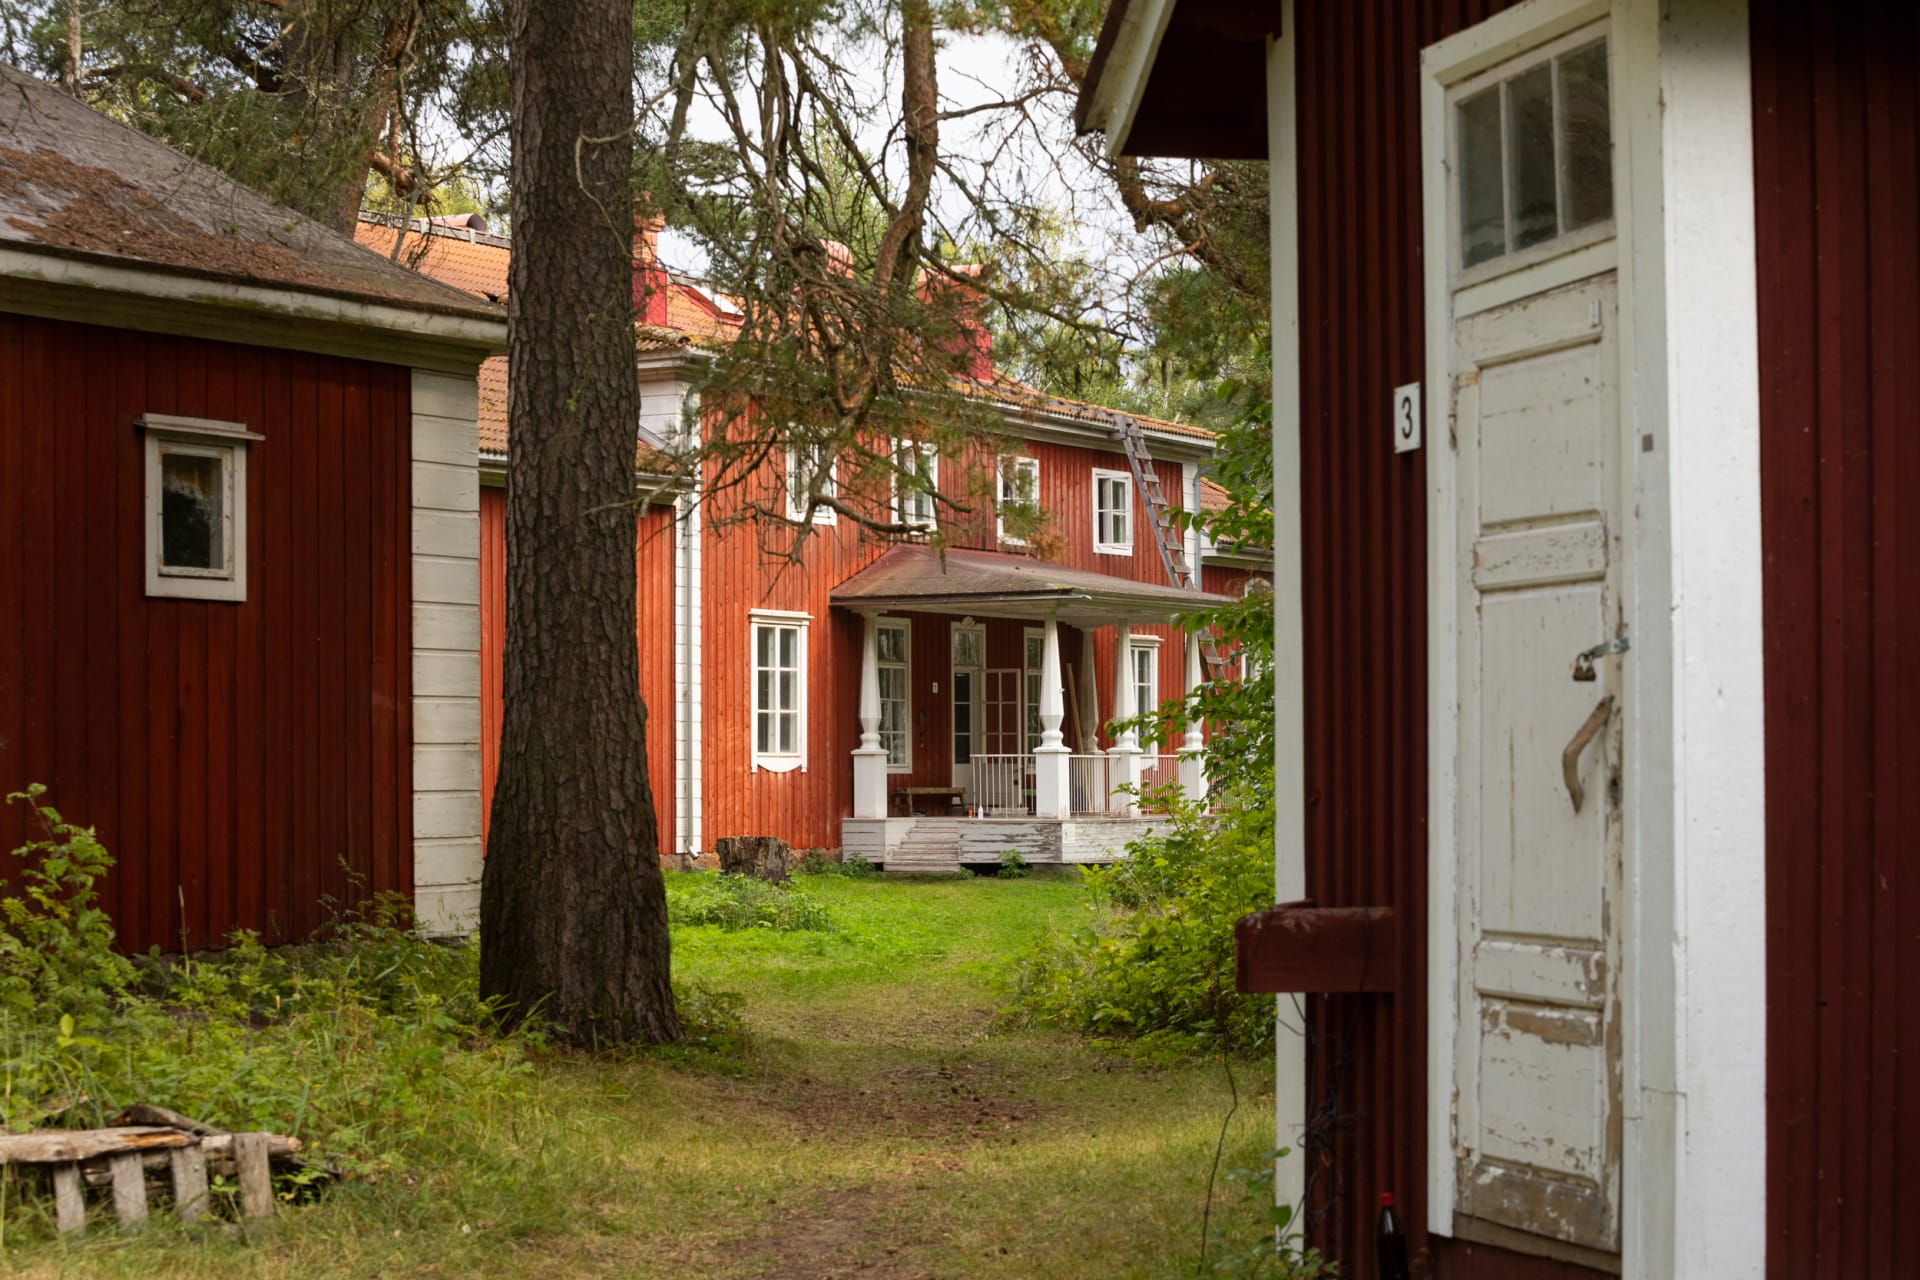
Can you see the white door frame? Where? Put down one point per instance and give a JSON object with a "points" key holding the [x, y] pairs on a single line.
{"points": [[976, 699], [1693, 972]]}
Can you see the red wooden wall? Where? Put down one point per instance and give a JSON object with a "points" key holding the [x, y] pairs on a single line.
{"points": [[232, 755], [653, 629], [746, 569], [1837, 156]]}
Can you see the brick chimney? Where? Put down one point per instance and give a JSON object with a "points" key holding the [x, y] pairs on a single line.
{"points": [[967, 340], [650, 283]]}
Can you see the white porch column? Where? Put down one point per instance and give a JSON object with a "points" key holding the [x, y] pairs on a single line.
{"points": [[1123, 757], [1052, 797], [870, 758], [1193, 762]]}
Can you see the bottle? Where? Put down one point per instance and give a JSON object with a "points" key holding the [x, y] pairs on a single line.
{"points": [[1390, 1243]]}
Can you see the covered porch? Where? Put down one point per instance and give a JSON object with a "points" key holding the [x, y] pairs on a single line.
{"points": [[989, 688]]}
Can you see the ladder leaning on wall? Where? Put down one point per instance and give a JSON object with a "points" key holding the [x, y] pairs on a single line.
{"points": [[1182, 571]]}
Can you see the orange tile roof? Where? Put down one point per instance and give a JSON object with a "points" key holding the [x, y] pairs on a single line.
{"points": [[1005, 387], [477, 266]]}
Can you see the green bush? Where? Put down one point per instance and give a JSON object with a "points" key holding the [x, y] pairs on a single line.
{"points": [[356, 1043], [1152, 963], [815, 862], [730, 901], [1013, 864]]}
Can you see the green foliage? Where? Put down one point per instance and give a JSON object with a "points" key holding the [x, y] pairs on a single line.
{"points": [[1012, 865], [1152, 964], [815, 862], [56, 943], [729, 901], [357, 1043], [1272, 1251]]}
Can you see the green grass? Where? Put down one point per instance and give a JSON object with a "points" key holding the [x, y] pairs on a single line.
{"points": [[880, 1118]]}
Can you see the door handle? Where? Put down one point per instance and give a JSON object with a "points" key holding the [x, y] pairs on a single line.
{"points": [[1570, 758]]}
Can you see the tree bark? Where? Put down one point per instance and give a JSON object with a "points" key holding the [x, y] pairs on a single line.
{"points": [[573, 906]]}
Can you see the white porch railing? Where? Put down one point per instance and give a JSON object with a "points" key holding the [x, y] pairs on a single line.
{"points": [[1003, 784]]}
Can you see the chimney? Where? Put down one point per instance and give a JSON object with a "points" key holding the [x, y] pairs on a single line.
{"points": [[650, 282], [967, 341]]}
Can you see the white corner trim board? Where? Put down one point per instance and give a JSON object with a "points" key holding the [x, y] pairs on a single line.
{"points": [[446, 651], [1289, 628]]}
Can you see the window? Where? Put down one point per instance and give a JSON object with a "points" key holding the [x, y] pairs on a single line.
{"points": [[1017, 494], [811, 473], [1536, 153], [913, 502], [893, 696], [1036, 651], [1113, 513], [1145, 661], [969, 643], [196, 516], [779, 690]]}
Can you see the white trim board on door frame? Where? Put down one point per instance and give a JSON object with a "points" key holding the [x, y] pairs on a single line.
{"points": [[1289, 627], [1694, 988]]}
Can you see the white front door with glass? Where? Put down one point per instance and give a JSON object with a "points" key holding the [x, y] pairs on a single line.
{"points": [[1535, 503], [968, 649]]}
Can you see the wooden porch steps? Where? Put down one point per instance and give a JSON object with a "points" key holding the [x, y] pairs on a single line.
{"points": [[931, 848]]}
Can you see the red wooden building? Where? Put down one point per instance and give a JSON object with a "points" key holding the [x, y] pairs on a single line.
{"points": [[1596, 677], [880, 698], [238, 540]]}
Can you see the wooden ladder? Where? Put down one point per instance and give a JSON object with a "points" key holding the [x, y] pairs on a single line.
{"points": [[1181, 570]]}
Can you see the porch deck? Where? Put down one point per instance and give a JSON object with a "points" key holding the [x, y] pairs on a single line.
{"points": [[945, 844]]}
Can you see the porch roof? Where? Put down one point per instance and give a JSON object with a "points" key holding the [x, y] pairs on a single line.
{"points": [[992, 584]]}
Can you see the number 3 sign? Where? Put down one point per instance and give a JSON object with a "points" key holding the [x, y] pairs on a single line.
{"points": [[1406, 418]]}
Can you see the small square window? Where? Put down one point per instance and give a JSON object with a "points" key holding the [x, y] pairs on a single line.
{"points": [[1113, 513], [196, 507], [1535, 152]]}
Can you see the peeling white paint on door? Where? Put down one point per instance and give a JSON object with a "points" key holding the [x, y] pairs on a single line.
{"points": [[1538, 1130]]}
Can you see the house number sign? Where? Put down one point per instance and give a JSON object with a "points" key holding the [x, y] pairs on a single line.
{"points": [[1406, 418]]}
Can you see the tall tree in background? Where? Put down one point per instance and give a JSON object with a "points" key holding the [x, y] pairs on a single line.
{"points": [[573, 916]]}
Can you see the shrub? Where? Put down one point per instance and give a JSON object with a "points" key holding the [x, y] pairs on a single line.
{"points": [[1012, 864], [730, 901], [815, 862], [1153, 961], [56, 943]]}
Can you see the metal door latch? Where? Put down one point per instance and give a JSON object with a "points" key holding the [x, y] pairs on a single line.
{"points": [[1583, 663]]}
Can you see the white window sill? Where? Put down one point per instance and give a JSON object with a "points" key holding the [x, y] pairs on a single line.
{"points": [[1112, 549], [778, 764]]}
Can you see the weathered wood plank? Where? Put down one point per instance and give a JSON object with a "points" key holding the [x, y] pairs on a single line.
{"points": [[147, 1113], [54, 1146], [250, 1155], [129, 1190], [69, 1202], [189, 1183]]}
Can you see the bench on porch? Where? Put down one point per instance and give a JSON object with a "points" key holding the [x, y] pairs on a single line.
{"points": [[909, 797]]}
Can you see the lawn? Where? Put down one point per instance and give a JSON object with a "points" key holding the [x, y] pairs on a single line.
{"points": [[878, 1120]]}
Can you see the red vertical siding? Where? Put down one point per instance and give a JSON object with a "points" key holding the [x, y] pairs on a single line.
{"points": [[746, 568], [221, 749], [1836, 120], [653, 632]]}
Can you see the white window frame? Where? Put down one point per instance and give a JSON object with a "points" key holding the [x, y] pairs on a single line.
{"points": [[827, 485], [905, 667], [200, 437], [1150, 647], [1010, 463], [778, 619], [1102, 546], [930, 455], [1518, 64]]}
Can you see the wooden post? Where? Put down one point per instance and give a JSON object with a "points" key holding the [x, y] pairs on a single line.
{"points": [[129, 1189], [189, 1183], [870, 758], [69, 1205], [251, 1161]]}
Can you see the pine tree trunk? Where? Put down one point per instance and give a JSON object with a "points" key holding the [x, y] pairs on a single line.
{"points": [[573, 907]]}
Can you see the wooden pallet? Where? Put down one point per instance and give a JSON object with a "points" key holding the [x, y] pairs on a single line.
{"points": [[122, 1156]]}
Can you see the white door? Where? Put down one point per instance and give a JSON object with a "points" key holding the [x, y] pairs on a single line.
{"points": [[1538, 503]]}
